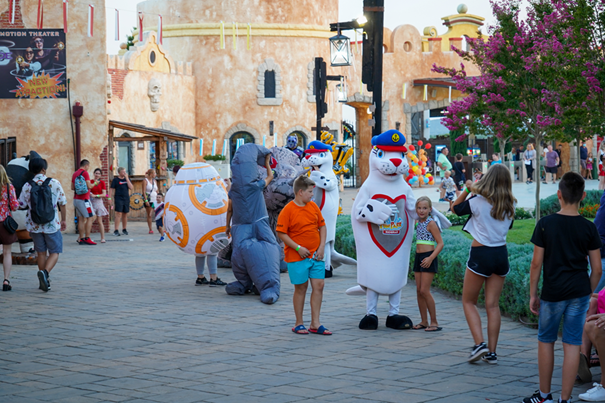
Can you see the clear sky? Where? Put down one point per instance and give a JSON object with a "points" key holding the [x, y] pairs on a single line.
{"points": [[397, 12]]}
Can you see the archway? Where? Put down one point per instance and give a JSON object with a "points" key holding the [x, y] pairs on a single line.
{"points": [[245, 136]]}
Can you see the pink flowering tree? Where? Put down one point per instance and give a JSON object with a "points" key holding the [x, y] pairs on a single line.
{"points": [[533, 83]]}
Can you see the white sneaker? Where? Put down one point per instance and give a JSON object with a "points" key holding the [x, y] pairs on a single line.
{"points": [[596, 394]]}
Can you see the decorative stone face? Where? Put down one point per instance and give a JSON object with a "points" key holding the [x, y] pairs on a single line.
{"points": [[155, 92]]}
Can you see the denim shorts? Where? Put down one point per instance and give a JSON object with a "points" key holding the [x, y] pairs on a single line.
{"points": [[53, 243], [305, 269], [573, 312]]}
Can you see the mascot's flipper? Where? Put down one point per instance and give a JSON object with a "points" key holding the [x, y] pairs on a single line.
{"points": [[357, 290], [338, 260], [442, 221]]}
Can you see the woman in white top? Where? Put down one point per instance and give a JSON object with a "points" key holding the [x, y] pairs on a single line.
{"points": [[491, 209], [529, 156], [150, 194]]}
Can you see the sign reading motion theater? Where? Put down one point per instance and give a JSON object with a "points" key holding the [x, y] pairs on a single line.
{"points": [[32, 63]]}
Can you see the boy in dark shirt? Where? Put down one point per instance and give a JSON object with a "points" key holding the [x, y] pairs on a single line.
{"points": [[562, 241], [459, 174]]}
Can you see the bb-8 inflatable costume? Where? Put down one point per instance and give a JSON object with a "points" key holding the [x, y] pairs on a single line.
{"points": [[195, 211]]}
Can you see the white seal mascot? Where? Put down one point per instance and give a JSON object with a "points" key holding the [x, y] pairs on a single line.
{"points": [[326, 195], [383, 221], [256, 253]]}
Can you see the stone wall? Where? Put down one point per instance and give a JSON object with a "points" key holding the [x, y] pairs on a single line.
{"points": [[44, 124], [286, 37]]}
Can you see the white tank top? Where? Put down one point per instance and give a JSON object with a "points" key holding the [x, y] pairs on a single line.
{"points": [[152, 190]]}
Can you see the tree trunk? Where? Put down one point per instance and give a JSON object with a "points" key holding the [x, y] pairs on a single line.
{"points": [[537, 172], [502, 144]]}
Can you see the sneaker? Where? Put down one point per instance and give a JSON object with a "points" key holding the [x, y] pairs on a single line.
{"points": [[116, 233], [87, 241], [43, 278], [596, 394], [565, 401], [162, 239], [218, 281], [537, 398], [490, 358], [201, 281], [124, 231], [477, 352]]}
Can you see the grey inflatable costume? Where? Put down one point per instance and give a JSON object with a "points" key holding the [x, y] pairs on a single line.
{"points": [[256, 255]]}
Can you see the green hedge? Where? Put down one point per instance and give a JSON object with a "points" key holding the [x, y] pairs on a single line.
{"points": [[514, 300], [550, 205]]}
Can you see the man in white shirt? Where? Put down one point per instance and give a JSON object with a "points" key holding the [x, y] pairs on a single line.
{"points": [[46, 236]]}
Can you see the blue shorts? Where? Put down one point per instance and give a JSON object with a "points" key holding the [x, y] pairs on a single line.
{"points": [[302, 271], [159, 223], [53, 243], [573, 312]]}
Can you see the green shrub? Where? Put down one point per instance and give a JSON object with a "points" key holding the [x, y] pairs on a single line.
{"points": [[172, 163], [550, 205], [514, 300], [522, 214], [218, 157]]}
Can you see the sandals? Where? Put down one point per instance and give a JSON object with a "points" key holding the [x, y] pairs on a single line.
{"points": [[433, 329], [6, 287], [150, 231], [321, 330], [300, 329], [419, 327]]}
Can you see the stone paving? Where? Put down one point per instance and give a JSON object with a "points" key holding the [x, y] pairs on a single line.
{"points": [[125, 323]]}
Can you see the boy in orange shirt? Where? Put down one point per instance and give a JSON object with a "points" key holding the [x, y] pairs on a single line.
{"points": [[301, 227]]}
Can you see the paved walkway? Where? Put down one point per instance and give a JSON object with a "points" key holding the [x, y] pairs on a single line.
{"points": [[125, 323]]}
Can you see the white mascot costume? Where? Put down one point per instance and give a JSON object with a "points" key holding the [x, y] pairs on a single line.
{"points": [[326, 195], [383, 222], [195, 211]]}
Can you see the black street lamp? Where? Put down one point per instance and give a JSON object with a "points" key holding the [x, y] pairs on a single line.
{"points": [[371, 72]]}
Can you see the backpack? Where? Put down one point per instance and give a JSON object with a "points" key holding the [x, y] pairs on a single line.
{"points": [[80, 185], [41, 199]]}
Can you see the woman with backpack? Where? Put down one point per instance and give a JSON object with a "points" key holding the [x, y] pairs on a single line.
{"points": [[8, 203]]}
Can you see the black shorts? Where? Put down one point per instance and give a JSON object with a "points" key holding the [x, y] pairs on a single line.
{"points": [[122, 205], [551, 170], [419, 258], [486, 260]]}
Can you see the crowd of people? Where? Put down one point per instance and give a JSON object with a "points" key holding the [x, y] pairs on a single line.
{"points": [[568, 254]]}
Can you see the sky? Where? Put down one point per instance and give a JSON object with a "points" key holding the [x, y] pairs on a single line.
{"points": [[421, 14]]}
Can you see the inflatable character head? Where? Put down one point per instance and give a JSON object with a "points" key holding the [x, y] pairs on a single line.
{"points": [[288, 167], [195, 213], [318, 156], [18, 171], [247, 184], [388, 155], [292, 142]]}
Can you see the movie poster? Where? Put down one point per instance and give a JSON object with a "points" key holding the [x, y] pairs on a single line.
{"points": [[32, 63]]}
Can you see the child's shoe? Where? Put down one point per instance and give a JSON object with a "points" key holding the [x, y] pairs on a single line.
{"points": [[162, 239], [537, 398], [490, 358], [477, 352], [596, 394], [218, 281]]}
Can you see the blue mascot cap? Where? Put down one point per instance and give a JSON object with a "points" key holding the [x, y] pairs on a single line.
{"points": [[317, 146], [391, 140]]}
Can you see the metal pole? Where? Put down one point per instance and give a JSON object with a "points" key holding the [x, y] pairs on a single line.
{"points": [[318, 106], [378, 21]]}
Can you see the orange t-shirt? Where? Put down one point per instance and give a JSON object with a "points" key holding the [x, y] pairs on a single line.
{"points": [[302, 224]]}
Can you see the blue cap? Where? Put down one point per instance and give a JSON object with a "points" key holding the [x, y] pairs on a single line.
{"points": [[391, 140], [317, 146]]}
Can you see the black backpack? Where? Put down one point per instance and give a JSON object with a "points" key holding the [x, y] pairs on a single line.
{"points": [[41, 200]]}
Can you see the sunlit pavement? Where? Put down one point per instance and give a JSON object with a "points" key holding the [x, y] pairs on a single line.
{"points": [[124, 322]]}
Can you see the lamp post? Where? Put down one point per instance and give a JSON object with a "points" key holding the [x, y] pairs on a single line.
{"points": [[371, 72]]}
